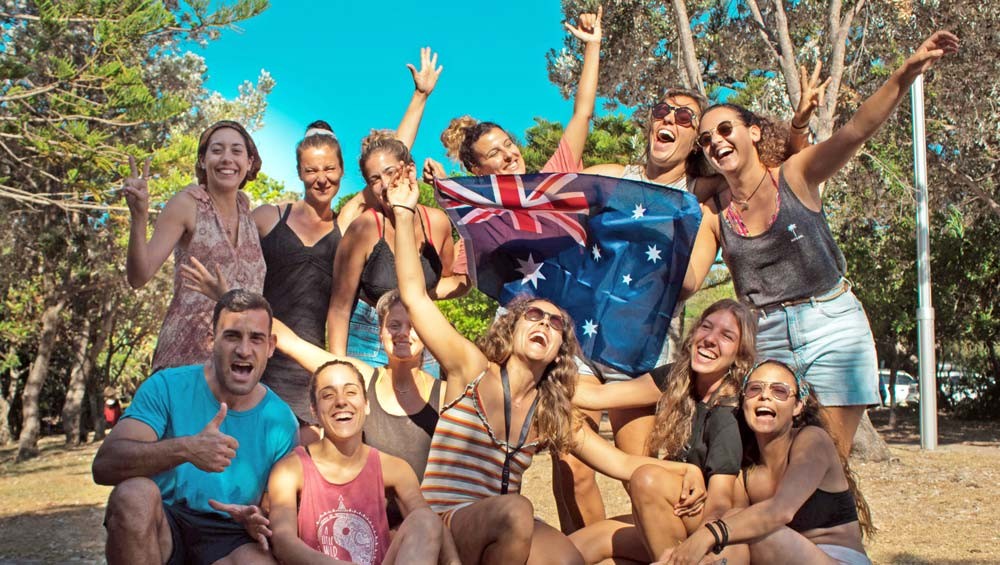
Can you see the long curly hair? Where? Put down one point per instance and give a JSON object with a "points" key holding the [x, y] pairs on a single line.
{"points": [[677, 405], [555, 420], [773, 145], [459, 136], [814, 414]]}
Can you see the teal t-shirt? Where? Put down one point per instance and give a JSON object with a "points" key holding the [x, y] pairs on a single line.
{"points": [[177, 402]]}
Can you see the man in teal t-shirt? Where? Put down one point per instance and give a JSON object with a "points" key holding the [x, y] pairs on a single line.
{"points": [[197, 434]]}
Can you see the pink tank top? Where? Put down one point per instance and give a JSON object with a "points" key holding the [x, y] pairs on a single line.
{"points": [[345, 521]]}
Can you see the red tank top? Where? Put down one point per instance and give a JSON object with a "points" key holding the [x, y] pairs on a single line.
{"points": [[345, 521]]}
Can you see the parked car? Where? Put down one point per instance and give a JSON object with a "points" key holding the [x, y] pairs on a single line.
{"points": [[956, 382], [907, 388]]}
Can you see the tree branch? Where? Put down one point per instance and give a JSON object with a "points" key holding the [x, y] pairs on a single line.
{"points": [[689, 56]]}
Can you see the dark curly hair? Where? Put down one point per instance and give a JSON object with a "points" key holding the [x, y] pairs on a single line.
{"points": [[555, 420], [461, 134]]}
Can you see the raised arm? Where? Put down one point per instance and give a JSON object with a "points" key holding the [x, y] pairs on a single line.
{"points": [[144, 258], [634, 393], [459, 357], [347, 264], [589, 32], [813, 94], [423, 83], [706, 248], [817, 163], [283, 488], [311, 356]]}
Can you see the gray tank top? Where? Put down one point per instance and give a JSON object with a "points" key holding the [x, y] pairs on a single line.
{"points": [[795, 258]]}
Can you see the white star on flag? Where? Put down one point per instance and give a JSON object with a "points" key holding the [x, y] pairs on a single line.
{"points": [[652, 253], [627, 279], [638, 212], [589, 328], [596, 252], [532, 271]]}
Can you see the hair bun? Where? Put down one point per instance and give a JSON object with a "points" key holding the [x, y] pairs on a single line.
{"points": [[453, 136]]}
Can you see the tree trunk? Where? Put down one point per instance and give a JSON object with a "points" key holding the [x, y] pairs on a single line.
{"points": [[868, 445], [7, 400], [692, 68], [91, 344], [31, 425], [77, 386]]}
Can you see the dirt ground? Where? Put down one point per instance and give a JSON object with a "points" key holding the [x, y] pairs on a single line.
{"points": [[930, 506]]}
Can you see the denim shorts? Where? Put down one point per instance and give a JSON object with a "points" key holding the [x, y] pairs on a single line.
{"points": [[363, 341], [829, 344]]}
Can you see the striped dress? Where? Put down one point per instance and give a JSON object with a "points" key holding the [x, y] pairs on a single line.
{"points": [[465, 463]]}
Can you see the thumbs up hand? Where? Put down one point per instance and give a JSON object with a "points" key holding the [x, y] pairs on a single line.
{"points": [[211, 450]]}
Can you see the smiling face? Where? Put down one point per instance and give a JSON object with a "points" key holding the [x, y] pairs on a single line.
{"points": [[243, 342], [226, 160], [382, 170], [497, 154], [763, 410], [399, 338], [538, 340], [339, 402], [728, 153], [321, 170], [671, 143], [715, 343]]}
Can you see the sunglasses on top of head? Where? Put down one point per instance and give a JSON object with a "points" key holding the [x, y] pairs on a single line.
{"points": [[534, 314], [779, 391], [725, 129], [683, 116]]}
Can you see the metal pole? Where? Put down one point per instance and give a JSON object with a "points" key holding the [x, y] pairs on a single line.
{"points": [[925, 310]]}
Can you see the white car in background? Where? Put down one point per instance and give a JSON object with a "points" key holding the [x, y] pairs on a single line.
{"points": [[907, 388]]}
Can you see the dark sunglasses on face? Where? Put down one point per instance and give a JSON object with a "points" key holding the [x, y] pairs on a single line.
{"points": [[534, 314], [779, 391], [725, 129], [683, 116]]}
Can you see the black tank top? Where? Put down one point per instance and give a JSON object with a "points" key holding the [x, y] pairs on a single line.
{"points": [[379, 273], [297, 285], [795, 258], [406, 437]]}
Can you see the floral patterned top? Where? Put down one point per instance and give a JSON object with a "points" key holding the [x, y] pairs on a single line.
{"points": [[186, 335]]}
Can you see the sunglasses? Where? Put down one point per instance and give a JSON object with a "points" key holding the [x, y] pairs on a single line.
{"points": [[683, 116], [725, 129], [534, 314], [779, 391]]}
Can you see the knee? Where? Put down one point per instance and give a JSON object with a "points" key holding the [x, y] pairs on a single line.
{"points": [[133, 504], [570, 556], [650, 482], [515, 514], [425, 524]]}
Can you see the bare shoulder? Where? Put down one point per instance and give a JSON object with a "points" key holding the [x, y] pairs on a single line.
{"points": [[265, 217], [395, 469], [606, 169], [705, 188], [812, 440]]}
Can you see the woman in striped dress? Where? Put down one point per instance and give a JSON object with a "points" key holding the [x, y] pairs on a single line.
{"points": [[505, 400]]}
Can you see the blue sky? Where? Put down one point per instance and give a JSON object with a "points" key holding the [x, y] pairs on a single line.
{"points": [[345, 62]]}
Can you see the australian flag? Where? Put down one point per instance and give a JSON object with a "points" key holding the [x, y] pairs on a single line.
{"points": [[612, 252]]}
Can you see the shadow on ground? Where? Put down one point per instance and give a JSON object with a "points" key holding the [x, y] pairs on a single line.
{"points": [[54, 535], [951, 430]]}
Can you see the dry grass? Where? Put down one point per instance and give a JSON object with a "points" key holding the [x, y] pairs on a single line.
{"points": [[931, 507]]}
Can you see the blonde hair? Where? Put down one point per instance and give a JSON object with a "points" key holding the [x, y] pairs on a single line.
{"points": [[676, 407], [554, 420], [383, 140]]}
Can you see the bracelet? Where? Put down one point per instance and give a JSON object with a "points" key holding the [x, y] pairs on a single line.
{"points": [[800, 128], [717, 548], [405, 207], [725, 533]]}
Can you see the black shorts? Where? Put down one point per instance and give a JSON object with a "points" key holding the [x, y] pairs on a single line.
{"points": [[202, 537]]}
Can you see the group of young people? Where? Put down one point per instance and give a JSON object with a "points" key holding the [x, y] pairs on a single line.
{"points": [[325, 410]]}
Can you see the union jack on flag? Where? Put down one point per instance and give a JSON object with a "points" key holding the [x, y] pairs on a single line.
{"points": [[525, 207], [612, 252]]}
